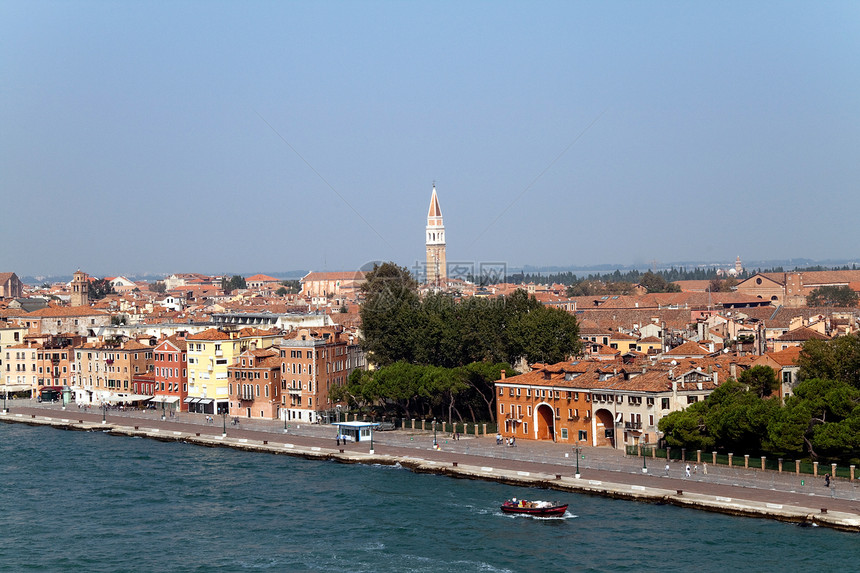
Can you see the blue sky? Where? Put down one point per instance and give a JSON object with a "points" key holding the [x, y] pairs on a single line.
{"points": [[262, 136]]}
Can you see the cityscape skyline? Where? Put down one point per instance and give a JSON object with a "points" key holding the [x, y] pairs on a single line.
{"points": [[196, 138]]}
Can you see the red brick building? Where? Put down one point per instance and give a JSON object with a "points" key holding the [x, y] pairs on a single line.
{"points": [[312, 362], [171, 373], [255, 384]]}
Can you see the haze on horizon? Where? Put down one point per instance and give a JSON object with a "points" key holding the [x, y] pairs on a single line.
{"points": [[196, 136]]}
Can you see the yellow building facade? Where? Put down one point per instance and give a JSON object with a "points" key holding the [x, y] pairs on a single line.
{"points": [[210, 353]]}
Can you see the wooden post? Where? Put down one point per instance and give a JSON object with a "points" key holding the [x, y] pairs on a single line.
{"points": [[780, 465], [683, 455], [714, 458], [833, 471], [815, 469], [797, 467], [852, 473], [762, 462], [746, 461], [698, 456], [730, 459], [485, 429]]}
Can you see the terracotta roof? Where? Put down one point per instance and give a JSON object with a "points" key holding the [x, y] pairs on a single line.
{"points": [[787, 357], [802, 334], [261, 278], [688, 349], [64, 311], [210, 334], [334, 276]]}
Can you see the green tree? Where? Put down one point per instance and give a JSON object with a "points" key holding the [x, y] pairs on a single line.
{"points": [[233, 283], [818, 418], [292, 286], [841, 296], [158, 287], [99, 289], [760, 379], [282, 291], [687, 428], [656, 283], [389, 314], [835, 359]]}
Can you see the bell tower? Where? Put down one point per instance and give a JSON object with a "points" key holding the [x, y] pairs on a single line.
{"points": [[80, 289], [437, 267]]}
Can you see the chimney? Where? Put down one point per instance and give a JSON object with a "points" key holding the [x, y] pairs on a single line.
{"points": [[503, 374]]}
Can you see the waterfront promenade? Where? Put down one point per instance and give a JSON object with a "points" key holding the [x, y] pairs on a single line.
{"points": [[602, 471]]}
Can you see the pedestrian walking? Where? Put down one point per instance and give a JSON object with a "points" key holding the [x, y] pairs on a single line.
{"points": [[695, 469], [826, 480], [667, 469], [687, 470], [705, 468]]}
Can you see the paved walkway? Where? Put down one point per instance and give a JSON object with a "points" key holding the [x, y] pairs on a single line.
{"points": [[595, 463]]}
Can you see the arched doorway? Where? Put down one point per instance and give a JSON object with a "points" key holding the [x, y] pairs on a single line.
{"points": [[545, 422], [605, 428]]}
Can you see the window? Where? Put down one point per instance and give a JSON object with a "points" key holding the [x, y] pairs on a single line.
{"points": [[518, 391], [664, 403], [528, 391], [525, 427], [557, 413], [529, 410], [501, 408], [649, 401], [519, 411], [569, 413], [583, 436], [564, 433], [651, 419]]}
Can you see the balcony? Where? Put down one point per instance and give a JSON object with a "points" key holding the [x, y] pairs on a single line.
{"points": [[632, 425]]}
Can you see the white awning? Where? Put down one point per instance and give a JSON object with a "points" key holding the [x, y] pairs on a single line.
{"points": [[619, 416], [14, 387], [205, 400], [171, 399], [188, 400], [128, 398], [157, 399]]}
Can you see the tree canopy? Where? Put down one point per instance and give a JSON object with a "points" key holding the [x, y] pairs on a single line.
{"points": [[411, 390], [841, 296], [440, 330], [233, 283]]}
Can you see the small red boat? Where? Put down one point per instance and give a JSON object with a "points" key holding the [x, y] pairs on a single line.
{"points": [[534, 508]]}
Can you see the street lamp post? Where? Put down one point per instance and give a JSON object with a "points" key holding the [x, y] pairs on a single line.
{"points": [[371, 440], [162, 411], [104, 412], [576, 450], [224, 418], [5, 394], [642, 444], [435, 443]]}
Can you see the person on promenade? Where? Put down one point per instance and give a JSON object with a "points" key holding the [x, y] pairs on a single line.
{"points": [[687, 470], [498, 439], [667, 469], [705, 468], [826, 480], [695, 469]]}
